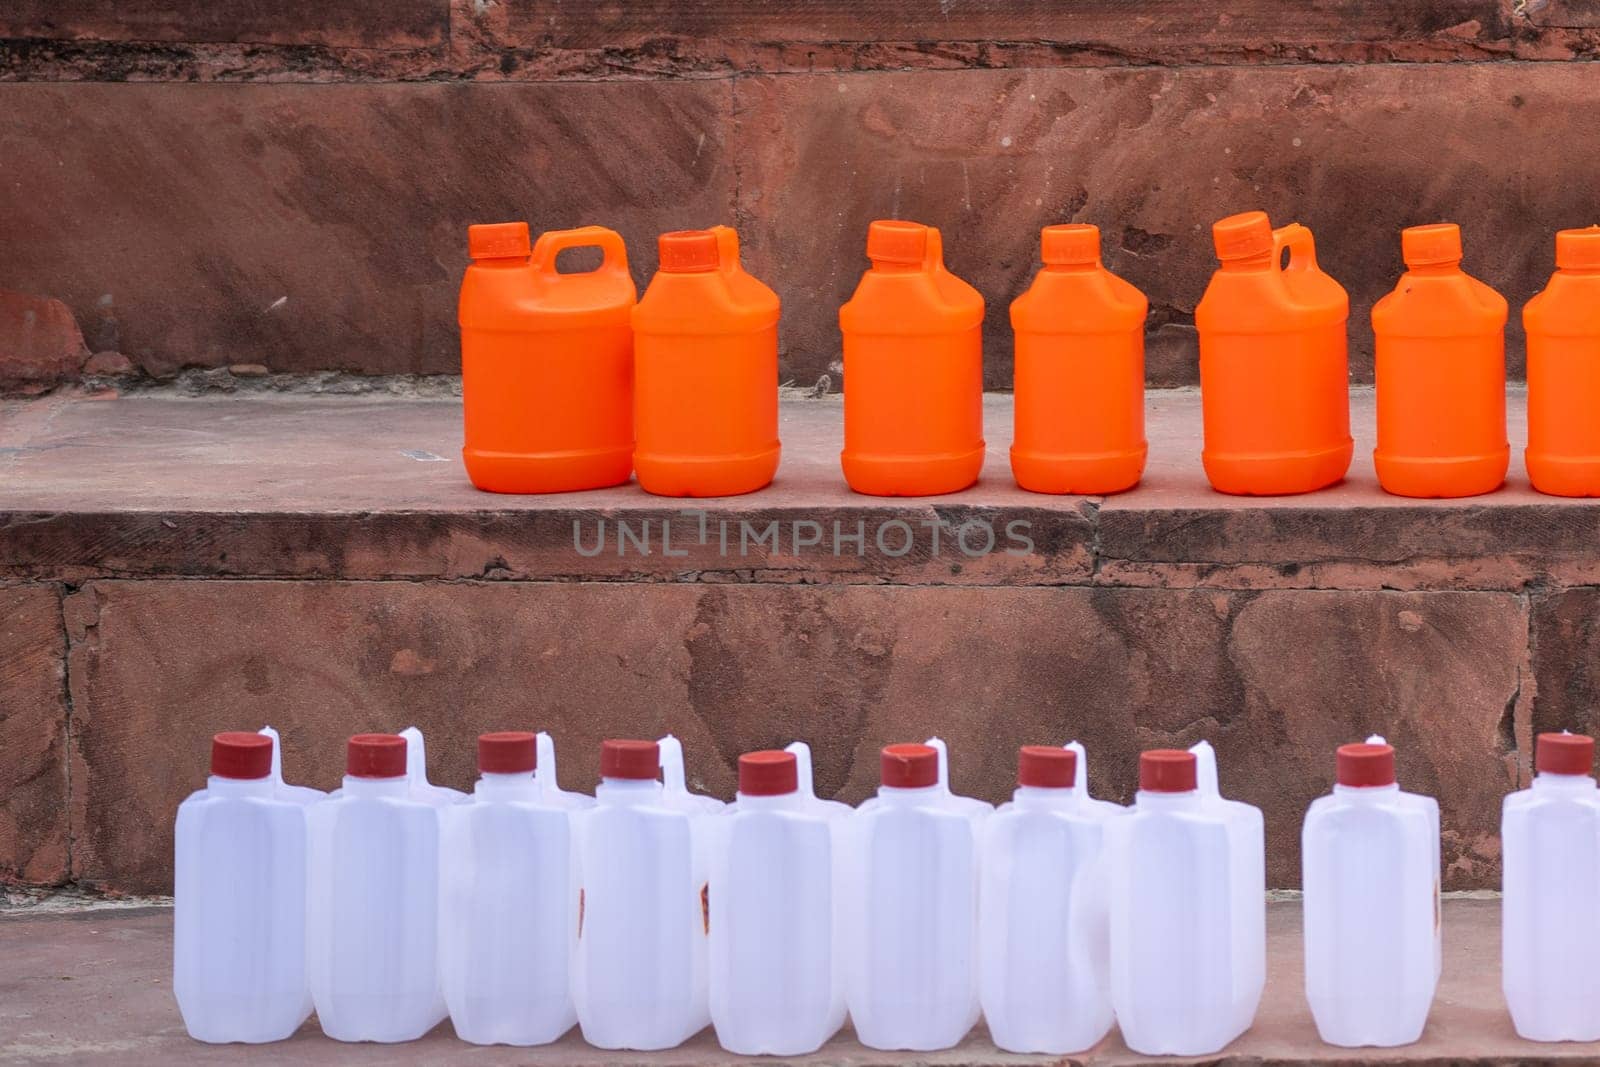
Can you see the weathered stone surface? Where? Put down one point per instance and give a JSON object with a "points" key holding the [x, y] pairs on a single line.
{"points": [[1565, 637], [1274, 679], [351, 23], [116, 1007], [324, 227], [1154, 157], [33, 737], [543, 39], [40, 343]]}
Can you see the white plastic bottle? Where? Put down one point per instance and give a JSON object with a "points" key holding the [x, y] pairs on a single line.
{"points": [[1186, 880], [776, 974], [1550, 922], [239, 901], [639, 977], [911, 909], [1044, 962], [372, 910], [1370, 857], [508, 905]]}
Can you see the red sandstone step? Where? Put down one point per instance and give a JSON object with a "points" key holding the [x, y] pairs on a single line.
{"points": [[95, 987], [301, 487]]}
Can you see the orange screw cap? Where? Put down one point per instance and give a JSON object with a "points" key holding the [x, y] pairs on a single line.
{"points": [[1431, 245], [1073, 244], [1242, 236], [689, 251], [499, 240]]}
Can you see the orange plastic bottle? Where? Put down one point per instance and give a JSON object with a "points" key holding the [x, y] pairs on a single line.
{"points": [[1274, 375], [546, 362], [1441, 374], [705, 371], [1563, 325], [1079, 405], [913, 369]]}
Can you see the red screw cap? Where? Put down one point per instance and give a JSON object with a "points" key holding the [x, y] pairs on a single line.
{"points": [[1364, 765], [1046, 767], [909, 766], [1242, 236], [376, 756], [769, 773], [1431, 245], [510, 752], [688, 251], [1168, 770], [499, 240], [636, 760], [894, 241], [240, 755], [1563, 754]]}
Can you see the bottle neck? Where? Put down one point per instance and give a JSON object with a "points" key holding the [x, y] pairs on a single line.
{"points": [[1545, 782], [239, 787], [627, 792], [1427, 270], [880, 266], [1073, 268], [1034, 796], [1248, 264], [1153, 801], [893, 794], [509, 263], [1369, 792], [779, 802], [1579, 272], [376, 787], [506, 787]]}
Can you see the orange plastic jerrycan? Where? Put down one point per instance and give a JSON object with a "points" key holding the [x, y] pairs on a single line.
{"points": [[1563, 325], [913, 369], [1274, 375], [1079, 404], [546, 362], [705, 371], [1441, 374]]}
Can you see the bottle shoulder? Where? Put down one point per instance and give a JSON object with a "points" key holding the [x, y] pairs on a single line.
{"points": [[1079, 302], [1270, 301], [707, 302], [914, 302], [1439, 305], [1568, 306], [528, 300]]}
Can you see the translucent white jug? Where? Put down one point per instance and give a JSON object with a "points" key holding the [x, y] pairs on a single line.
{"points": [[1044, 957], [776, 972], [911, 908], [508, 907], [239, 901], [639, 977], [1550, 924], [1186, 878], [372, 910], [1370, 857], [545, 774]]}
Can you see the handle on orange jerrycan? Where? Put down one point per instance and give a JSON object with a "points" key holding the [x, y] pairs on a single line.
{"points": [[1298, 240], [552, 243], [727, 247]]}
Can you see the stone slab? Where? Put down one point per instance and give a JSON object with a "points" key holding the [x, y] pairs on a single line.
{"points": [[1153, 157], [33, 736], [96, 987], [351, 23], [208, 225], [370, 487], [1276, 680]]}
